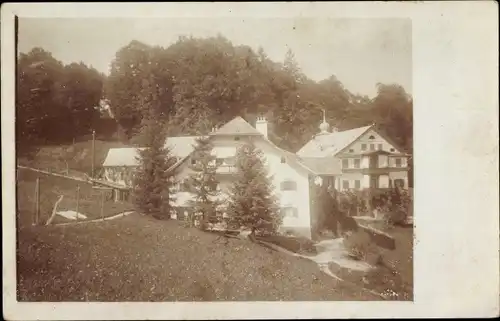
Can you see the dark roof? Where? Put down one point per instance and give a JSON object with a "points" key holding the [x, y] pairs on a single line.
{"points": [[237, 126], [322, 165]]}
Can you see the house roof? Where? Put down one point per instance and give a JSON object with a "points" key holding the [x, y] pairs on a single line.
{"points": [[180, 147], [123, 156], [237, 126], [323, 165], [331, 144]]}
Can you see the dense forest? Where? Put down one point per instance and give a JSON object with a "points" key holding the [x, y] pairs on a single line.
{"points": [[194, 85]]}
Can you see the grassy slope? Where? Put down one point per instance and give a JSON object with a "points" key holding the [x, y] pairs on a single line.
{"points": [[46, 157], [137, 258], [50, 189]]}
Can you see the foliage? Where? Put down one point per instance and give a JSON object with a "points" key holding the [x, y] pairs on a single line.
{"points": [[154, 178], [54, 103], [326, 210], [207, 82], [352, 202], [203, 182], [395, 205], [359, 245], [200, 83], [252, 204]]}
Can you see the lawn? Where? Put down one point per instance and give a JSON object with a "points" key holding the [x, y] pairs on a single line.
{"points": [[138, 258], [394, 276], [51, 187], [300, 245]]}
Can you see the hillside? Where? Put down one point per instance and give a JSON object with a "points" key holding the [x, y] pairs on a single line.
{"points": [[79, 156], [138, 258]]}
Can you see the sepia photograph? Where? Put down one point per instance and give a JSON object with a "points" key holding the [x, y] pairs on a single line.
{"points": [[167, 160], [190, 159]]}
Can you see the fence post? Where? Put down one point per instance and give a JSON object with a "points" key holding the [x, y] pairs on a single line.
{"points": [[102, 204], [77, 200], [37, 200]]}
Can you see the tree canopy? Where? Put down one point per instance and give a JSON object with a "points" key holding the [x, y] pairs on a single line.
{"points": [[200, 83]]}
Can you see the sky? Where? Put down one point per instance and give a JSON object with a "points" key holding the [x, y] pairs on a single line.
{"points": [[359, 52]]}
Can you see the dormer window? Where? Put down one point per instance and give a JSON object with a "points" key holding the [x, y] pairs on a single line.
{"points": [[283, 160]]}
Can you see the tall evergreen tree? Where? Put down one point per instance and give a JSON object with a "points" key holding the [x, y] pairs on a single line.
{"points": [[252, 204], [154, 179], [203, 183]]}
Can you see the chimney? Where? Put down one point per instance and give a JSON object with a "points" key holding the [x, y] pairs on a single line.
{"points": [[261, 125]]}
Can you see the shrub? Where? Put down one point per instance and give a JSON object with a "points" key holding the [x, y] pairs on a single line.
{"points": [[395, 206], [360, 247]]}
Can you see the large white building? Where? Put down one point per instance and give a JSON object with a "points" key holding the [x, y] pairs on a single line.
{"points": [[353, 159]]}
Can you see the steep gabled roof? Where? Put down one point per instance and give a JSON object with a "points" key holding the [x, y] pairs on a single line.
{"points": [[331, 144], [323, 165], [123, 156], [237, 126], [180, 147]]}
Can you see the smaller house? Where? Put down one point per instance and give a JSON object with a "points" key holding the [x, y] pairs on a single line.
{"points": [[356, 159]]}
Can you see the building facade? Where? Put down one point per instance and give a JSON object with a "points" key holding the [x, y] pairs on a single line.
{"points": [[355, 159]]}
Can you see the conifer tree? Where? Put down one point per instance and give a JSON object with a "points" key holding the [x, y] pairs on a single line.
{"points": [[154, 178], [252, 204], [203, 182]]}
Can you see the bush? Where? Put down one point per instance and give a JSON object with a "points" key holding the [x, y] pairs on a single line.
{"points": [[360, 247], [395, 207]]}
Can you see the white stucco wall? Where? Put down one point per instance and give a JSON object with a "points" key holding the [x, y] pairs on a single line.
{"points": [[226, 147], [365, 139]]}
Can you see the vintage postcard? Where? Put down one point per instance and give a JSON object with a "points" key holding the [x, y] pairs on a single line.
{"points": [[250, 160]]}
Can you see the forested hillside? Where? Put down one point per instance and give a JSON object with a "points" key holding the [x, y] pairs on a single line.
{"points": [[195, 84]]}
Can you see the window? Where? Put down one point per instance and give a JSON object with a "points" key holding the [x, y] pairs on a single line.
{"points": [[283, 160], [371, 137], [363, 146], [357, 163], [380, 147], [345, 163], [351, 150], [392, 150], [193, 161], [345, 184], [236, 138], [398, 162], [372, 146], [357, 184], [219, 161], [289, 212], [288, 186]]}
